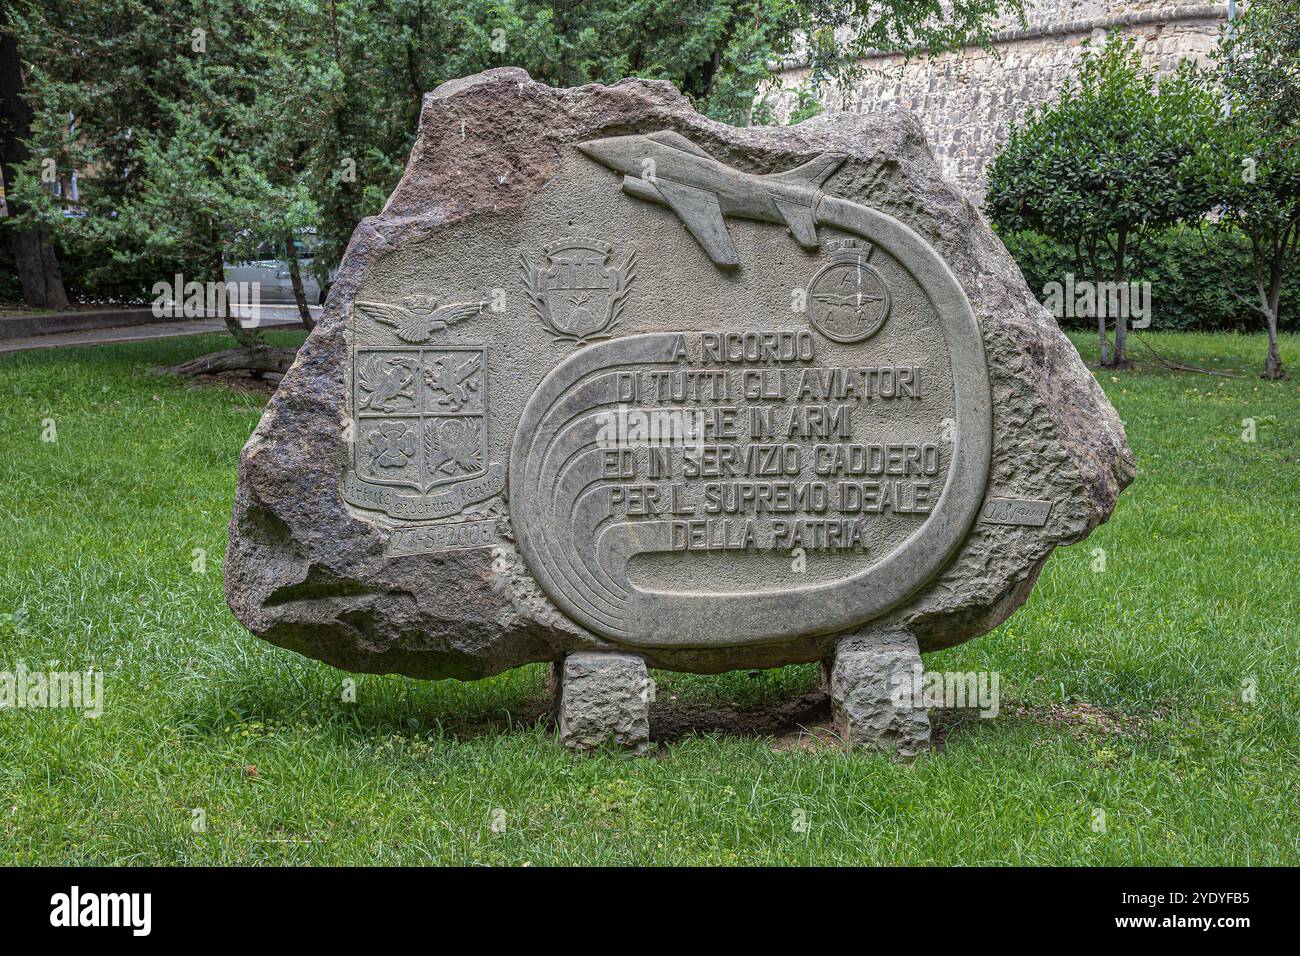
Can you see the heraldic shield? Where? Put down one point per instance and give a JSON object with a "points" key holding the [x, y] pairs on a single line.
{"points": [[420, 416], [578, 294]]}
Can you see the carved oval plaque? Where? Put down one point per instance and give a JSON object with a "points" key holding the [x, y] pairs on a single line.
{"points": [[757, 479]]}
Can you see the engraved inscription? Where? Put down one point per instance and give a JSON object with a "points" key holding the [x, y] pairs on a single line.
{"points": [[735, 442], [656, 478], [451, 536]]}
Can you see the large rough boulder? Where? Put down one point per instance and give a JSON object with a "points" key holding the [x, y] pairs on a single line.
{"points": [[881, 430]]}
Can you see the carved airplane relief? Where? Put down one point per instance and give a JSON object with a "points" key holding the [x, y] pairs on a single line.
{"points": [[669, 169]]}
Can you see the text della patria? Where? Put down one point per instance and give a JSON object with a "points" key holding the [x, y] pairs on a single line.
{"points": [[746, 441]]}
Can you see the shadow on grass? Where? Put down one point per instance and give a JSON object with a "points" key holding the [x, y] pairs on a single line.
{"points": [[455, 715], [791, 714]]}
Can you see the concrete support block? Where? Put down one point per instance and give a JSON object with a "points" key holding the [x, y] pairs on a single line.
{"points": [[869, 710], [603, 699]]}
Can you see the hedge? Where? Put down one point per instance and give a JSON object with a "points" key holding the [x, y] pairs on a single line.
{"points": [[1189, 288]]}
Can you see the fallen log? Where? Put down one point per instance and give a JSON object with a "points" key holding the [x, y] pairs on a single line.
{"points": [[259, 358]]}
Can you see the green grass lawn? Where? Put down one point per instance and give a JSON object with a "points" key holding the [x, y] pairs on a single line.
{"points": [[1122, 689]]}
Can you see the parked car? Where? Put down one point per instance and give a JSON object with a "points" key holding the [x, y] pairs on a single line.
{"points": [[270, 269]]}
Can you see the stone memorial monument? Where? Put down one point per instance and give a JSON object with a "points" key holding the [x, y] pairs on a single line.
{"points": [[613, 386]]}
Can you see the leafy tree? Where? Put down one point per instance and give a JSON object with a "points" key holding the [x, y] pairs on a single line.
{"points": [[1248, 164], [33, 251], [194, 163], [360, 70], [299, 114], [1103, 167]]}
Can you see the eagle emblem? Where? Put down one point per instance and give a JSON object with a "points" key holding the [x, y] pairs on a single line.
{"points": [[418, 323], [453, 448]]}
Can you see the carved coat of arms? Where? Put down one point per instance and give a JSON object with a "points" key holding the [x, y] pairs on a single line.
{"points": [[419, 416], [578, 294]]}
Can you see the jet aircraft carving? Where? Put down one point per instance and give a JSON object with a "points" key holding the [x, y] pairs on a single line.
{"points": [[667, 168]]}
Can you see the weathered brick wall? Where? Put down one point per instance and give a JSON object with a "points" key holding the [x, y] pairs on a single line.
{"points": [[968, 100]]}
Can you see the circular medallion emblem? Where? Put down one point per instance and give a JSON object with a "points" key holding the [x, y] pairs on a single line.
{"points": [[847, 299]]}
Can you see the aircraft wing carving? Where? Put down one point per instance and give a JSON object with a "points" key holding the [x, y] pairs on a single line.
{"points": [[800, 220], [700, 213]]}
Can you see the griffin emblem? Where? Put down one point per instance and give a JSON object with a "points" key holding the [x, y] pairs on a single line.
{"points": [[385, 379], [454, 379]]}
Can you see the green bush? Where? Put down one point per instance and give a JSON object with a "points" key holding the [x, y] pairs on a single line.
{"points": [[11, 289], [90, 274], [1191, 288]]}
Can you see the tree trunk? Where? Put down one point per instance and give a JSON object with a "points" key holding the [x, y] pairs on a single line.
{"points": [[1273, 363], [1093, 272], [38, 267], [242, 335], [1119, 359], [34, 255], [1272, 308], [295, 278]]}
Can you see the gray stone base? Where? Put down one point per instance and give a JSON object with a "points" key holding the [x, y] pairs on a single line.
{"points": [[602, 700], [863, 679]]}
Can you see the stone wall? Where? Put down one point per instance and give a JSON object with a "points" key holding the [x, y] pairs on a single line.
{"points": [[968, 100]]}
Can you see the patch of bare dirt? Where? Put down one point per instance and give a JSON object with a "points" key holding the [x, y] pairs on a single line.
{"points": [[1079, 718], [789, 721], [266, 384]]}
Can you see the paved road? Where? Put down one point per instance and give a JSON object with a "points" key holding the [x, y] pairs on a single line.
{"points": [[269, 317]]}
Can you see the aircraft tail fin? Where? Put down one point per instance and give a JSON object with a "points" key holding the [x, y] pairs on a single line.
{"points": [[676, 140], [812, 173]]}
